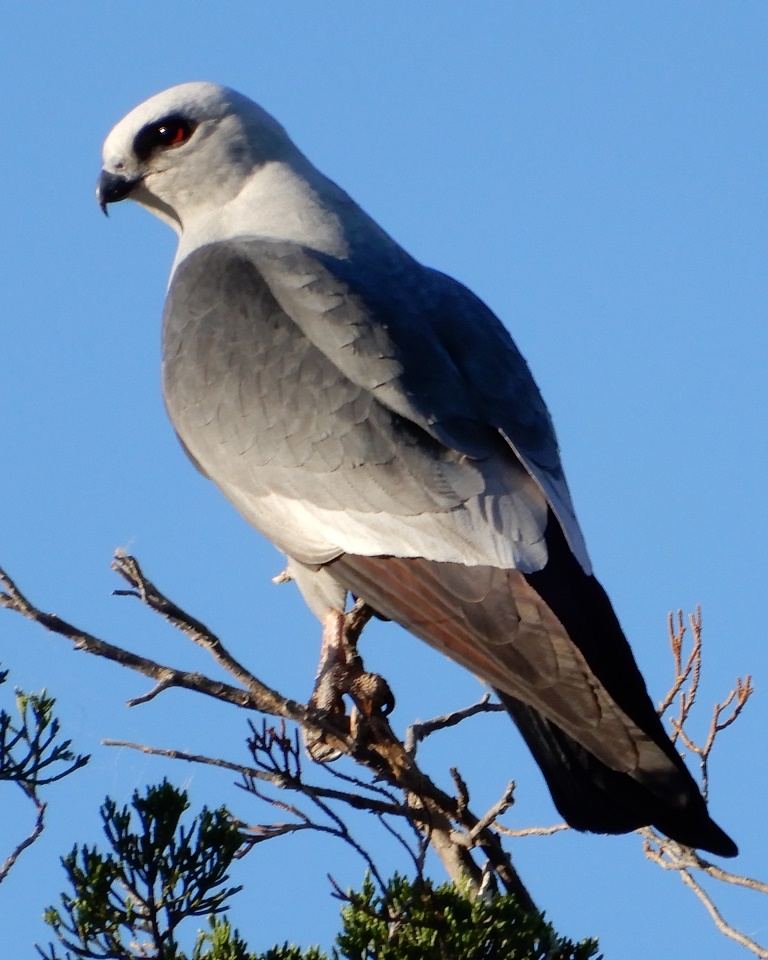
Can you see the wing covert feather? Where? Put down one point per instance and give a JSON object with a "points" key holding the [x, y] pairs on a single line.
{"points": [[310, 426]]}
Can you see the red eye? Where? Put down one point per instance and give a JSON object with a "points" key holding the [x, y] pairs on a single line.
{"points": [[171, 132], [170, 135]]}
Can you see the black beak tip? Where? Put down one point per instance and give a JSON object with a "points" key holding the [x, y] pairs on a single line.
{"points": [[111, 188]]}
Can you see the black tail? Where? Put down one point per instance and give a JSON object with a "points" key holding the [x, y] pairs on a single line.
{"points": [[590, 795]]}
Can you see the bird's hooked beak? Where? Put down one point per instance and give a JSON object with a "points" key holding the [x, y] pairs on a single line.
{"points": [[112, 187]]}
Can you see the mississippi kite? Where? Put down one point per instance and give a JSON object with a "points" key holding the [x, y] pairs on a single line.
{"points": [[375, 420]]}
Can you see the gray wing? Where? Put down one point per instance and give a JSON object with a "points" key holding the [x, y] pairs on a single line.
{"points": [[341, 407], [456, 372], [502, 387]]}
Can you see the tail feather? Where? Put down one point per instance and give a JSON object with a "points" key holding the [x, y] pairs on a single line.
{"points": [[592, 797]]}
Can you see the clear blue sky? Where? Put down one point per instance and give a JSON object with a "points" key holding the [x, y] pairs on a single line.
{"points": [[596, 172]]}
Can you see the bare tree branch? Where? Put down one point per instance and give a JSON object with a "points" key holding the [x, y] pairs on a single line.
{"points": [[370, 741], [168, 677]]}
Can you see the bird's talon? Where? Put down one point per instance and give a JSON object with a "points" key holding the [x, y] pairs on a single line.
{"points": [[372, 694]]}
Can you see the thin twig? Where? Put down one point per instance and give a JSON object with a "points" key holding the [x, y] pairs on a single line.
{"points": [[27, 842], [421, 840], [129, 569], [736, 879], [531, 831], [355, 800], [722, 925], [497, 810], [676, 637], [420, 731], [462, 791], [738, 697]]}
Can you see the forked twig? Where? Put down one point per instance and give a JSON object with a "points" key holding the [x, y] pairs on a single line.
{"points": [[673, 856], [666, 853], [692, 667], [420, 731]]}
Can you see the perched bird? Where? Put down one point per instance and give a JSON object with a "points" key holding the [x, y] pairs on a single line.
{"points": [[375, 421]]}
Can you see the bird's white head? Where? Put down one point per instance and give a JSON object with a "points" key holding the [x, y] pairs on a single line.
{"points": [[193, 144], [214, 165]]}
